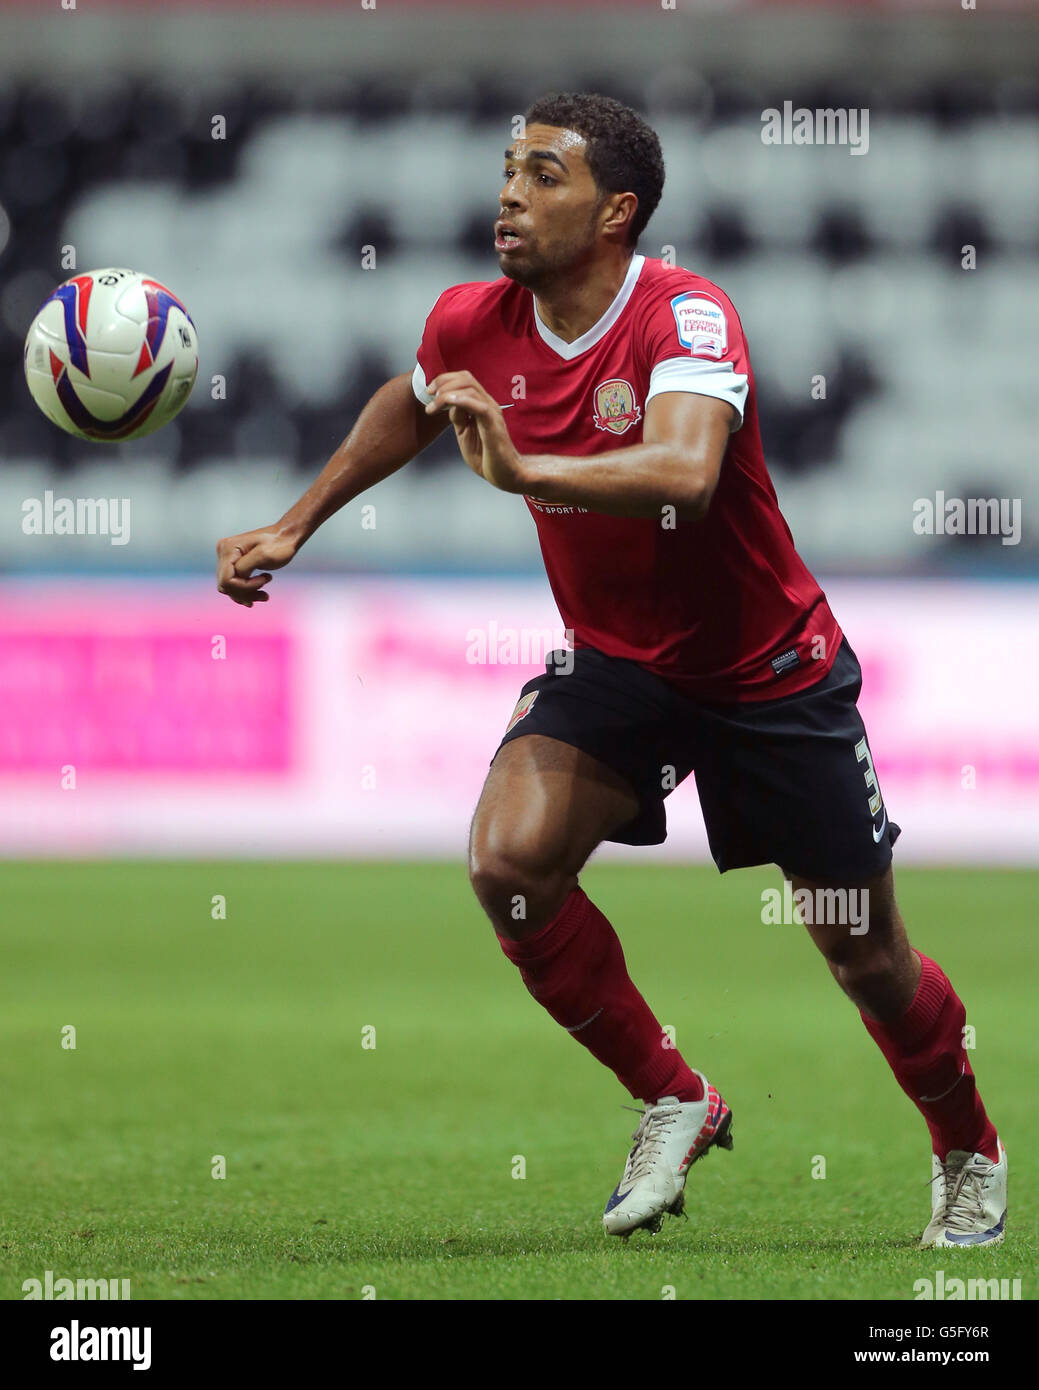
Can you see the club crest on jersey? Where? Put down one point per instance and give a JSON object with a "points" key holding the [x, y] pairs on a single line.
{"points": [[615, 407], [522, 708], [701, 324]]}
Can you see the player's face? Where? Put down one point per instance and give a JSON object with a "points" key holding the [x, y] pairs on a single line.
{"points": [[550, 206]]}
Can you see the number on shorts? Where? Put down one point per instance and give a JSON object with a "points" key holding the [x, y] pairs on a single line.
{"points": [[863, 754]]}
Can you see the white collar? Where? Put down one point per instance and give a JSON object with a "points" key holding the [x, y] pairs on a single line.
{"points": [[598, 330]]}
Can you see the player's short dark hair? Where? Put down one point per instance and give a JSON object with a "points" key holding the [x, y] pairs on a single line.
{"points": [[622, 151]]}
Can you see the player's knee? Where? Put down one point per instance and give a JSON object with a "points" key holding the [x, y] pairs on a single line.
{"points": [[866, 974], [861, 931], [520, 886]]}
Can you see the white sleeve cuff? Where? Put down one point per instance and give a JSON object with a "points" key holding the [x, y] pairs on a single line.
{"points": [[702, 378], [418, 385]]}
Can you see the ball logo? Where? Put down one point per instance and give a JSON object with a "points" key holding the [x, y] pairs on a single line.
{"points": [[160, 302], [615, 407]]}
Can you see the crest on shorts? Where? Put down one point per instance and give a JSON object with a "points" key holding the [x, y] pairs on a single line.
{"points": [[522, 708], [615, 407]]}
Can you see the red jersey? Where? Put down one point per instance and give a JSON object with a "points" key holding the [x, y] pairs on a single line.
{"points": [[723, 609]]}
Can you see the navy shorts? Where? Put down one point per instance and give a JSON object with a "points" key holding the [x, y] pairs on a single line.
{"points": [[788, 781]]}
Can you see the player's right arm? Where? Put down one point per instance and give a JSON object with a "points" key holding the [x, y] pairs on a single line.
{"points": [[391, 429]]}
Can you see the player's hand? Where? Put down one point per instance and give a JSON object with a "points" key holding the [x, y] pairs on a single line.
{"points": [[480, 428], [238, 556]]}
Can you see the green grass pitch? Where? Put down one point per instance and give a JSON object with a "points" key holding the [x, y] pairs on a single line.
{"points": [[352, 1168]]}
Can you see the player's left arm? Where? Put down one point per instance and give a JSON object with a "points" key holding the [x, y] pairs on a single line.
{"points": [[677, 464]]}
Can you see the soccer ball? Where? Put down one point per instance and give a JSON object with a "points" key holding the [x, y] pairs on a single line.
{"points": [[111, 355]]}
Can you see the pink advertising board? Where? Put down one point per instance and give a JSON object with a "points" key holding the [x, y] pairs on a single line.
{"points": [[356, 717]]}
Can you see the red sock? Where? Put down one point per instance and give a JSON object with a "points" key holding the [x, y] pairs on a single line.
{"points": [[574, 968], [924, 1048]]}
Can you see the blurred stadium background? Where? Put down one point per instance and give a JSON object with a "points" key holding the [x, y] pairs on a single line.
{"points": [[345, 717]]}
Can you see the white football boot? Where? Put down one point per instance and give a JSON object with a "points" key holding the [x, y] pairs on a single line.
{"points": [[671, 1136], [968, 1200]]}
